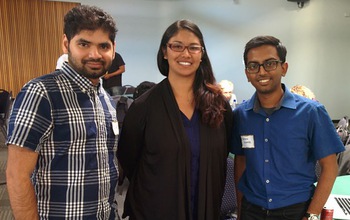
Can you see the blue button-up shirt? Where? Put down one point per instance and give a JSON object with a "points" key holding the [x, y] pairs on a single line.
{"points": [[281, 149], [68, 121]]}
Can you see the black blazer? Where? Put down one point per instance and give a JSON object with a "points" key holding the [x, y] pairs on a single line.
{"points": [[154, 153]]}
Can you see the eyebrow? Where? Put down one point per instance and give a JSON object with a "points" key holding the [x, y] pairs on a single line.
{"points": [[269, 59], [82, 40], [180, 42]]}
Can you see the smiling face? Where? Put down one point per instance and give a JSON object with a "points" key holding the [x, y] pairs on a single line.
{"points": [[183, 64], [263, 81], [90, 53]]}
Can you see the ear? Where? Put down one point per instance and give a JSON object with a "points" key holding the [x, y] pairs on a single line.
{"points": [[114, 46], [65, 44], [114, 49], [284, 68]]}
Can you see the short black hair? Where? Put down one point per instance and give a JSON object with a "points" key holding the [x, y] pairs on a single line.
{"points": [[265, 40], [142, 88], [84, 17]]}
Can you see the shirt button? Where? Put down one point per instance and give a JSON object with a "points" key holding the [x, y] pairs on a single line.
{"points": [[267, 119], [266, 140], [267, 181], [270, 200], [266, 161]]}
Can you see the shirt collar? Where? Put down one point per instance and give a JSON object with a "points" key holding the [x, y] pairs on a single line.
{"points": [[287, 101], [83, 82]]}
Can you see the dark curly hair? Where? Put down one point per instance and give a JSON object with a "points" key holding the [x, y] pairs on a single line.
{"points": [[84, 17], [208, 97]]}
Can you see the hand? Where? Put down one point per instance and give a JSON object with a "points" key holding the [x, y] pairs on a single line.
{"points": [[123, 187], [106, 76]]}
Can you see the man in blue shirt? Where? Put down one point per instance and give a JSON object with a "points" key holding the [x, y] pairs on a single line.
{"points": [[63, 130], [277, 139]]}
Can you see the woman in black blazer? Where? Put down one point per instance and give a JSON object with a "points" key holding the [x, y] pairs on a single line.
{"points": [[174, 142]]}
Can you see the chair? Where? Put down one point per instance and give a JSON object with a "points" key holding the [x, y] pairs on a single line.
{"points": [[343, 159], [229, 200], [128, 91], [5, 104]]}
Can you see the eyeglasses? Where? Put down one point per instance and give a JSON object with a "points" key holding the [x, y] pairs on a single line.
{"points": [[193, 48], [268, 65]]}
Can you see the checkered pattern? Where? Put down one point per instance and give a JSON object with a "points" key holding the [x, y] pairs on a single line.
{"points": [[68, 122]]}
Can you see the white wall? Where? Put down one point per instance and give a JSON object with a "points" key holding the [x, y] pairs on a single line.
{"points": [[317, 38]]}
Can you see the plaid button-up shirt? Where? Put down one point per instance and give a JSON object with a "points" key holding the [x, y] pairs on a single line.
{"points": [[68, 121]]}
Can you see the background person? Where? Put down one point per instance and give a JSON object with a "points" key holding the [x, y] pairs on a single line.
{"points": [[142, 88], [227, 88], [61, 130], [63, 58], [112, 80], [174, 142], [277, 139], [303, 91]]}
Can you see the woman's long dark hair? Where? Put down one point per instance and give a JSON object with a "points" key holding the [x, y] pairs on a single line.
{"points": [[207, 94]]}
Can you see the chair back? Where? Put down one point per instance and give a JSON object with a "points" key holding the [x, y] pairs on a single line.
{"points": [[5, 104]]}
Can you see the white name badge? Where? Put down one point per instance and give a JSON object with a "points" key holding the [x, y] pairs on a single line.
{"points": [[115, 127], [247, 141]]}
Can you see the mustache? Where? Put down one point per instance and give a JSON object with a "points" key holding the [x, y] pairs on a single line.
{"points": [[93, 60]]}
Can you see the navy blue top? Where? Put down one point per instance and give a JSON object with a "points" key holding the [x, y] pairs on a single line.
{"points": [[281, 149], [192, 131]]}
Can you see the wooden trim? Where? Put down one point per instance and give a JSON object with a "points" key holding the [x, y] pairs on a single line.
{"points": [[31, 33]]}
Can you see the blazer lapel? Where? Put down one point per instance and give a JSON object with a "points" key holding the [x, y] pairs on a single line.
{"points": [[181, 137]]}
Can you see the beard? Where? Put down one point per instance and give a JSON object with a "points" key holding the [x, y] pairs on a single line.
{"points": [[89, 72]]}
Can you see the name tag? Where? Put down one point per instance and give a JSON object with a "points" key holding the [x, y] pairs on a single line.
{"points": [[115, 127], [247, 141]]}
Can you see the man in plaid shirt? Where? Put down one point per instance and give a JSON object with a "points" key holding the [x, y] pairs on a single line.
{"points": [[63, 130]]}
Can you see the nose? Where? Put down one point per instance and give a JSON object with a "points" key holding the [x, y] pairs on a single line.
{"points": [[94, 53], [186, 52], [262, 69]]}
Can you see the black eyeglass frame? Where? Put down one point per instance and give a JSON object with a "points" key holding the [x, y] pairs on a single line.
{"points": [[185, 47], [263, 65]]}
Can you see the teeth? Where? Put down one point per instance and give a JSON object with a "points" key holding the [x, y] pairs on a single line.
{"points": [[185, 63], [263, 80]]}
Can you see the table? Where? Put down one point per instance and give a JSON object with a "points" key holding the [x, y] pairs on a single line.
{"points": [[342, 185]]}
